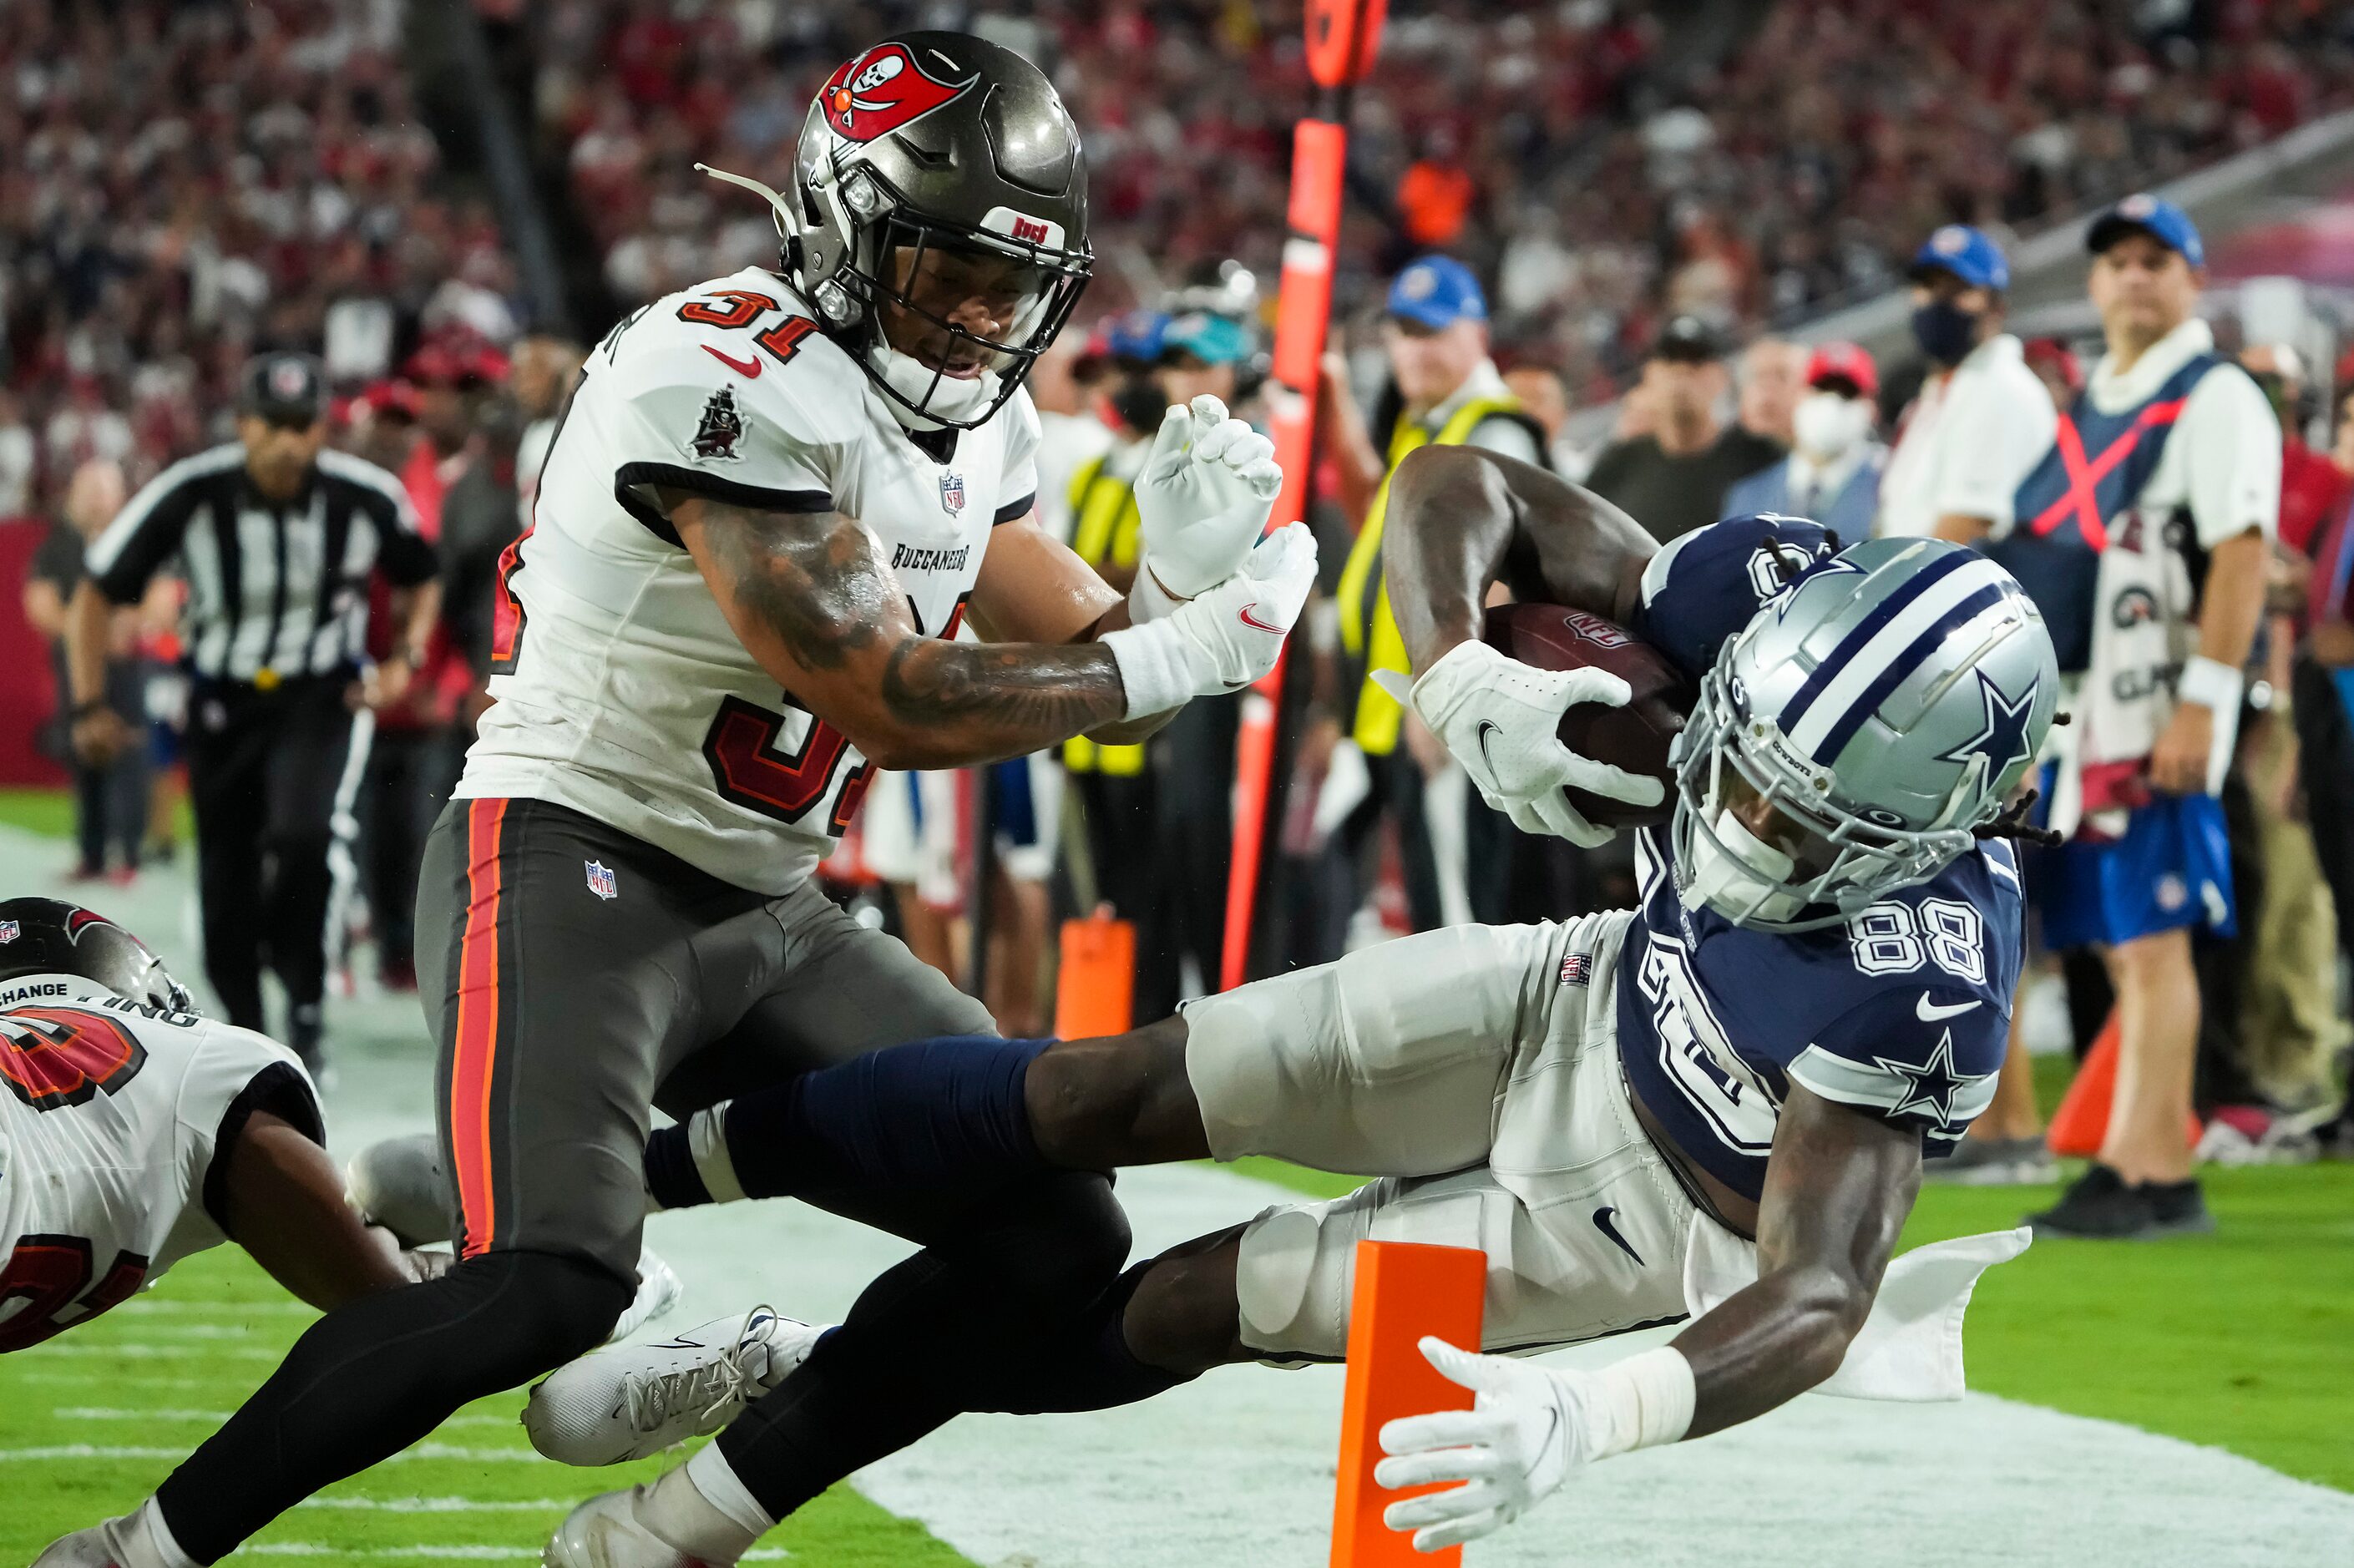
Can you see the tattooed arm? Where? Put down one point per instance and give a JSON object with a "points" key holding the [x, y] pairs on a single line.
{"points": [[1032, 588], [816, 606]]}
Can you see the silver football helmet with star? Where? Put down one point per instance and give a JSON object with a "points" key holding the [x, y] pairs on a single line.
{"points": [[1876, 712]]}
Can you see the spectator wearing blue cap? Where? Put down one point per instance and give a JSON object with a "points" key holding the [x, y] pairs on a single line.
{"points": [[1444, 390], [1981, 418], [2143, 536], [1673, 475]]}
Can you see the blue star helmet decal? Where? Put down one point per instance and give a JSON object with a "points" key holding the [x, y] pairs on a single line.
{"points": [[1931, 1087], [2002, 740]]}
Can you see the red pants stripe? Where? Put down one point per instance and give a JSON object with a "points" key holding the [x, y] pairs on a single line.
{"points": [[476, 1055]]}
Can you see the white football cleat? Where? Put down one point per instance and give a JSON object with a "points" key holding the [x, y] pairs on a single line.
{"points": [[659, 1290], [605, 1532], [398, 1183], [82, 1549], [634, 1400]]}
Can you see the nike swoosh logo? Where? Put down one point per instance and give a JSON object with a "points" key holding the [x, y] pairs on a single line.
{"points": [[1487, 728], [1928, 1011], [1262, 625], [1602, 1223], [749, 370]]}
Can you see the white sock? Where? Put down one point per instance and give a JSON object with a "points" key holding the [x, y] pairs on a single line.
{"points": [[706, 1141], [702, 1509], [141, 1539]]}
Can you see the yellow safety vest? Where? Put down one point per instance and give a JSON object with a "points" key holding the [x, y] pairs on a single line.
{"points": [[1368, 631], [1104, 528]]}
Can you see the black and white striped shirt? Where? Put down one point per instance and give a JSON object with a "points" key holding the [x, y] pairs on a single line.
{"points": [[274, 586]]}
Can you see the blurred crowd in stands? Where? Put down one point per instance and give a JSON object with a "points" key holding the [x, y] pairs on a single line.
{"points": [[1583, 154]]}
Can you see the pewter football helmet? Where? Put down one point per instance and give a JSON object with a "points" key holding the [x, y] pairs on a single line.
{"points": [[1883, 702], [931, 142]]}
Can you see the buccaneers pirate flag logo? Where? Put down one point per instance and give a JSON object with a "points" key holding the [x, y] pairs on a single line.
{"points": [[887, 89]]}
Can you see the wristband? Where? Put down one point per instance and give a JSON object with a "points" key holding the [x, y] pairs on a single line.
{"points": [[1152, 668], [96, 704], [2209, 683], [1647, 1400]]}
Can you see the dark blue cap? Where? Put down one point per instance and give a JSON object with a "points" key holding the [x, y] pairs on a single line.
{"points": [[2142, 213], [1437, 292], [1966, 253]]}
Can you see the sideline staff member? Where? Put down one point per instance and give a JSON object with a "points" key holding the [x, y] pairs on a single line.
{"points": [[277, 538]]}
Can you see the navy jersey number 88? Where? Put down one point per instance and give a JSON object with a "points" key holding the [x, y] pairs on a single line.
{"points": [[1902, 1012]]}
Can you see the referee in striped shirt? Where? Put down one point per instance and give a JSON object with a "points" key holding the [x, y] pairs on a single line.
{"points": [[277, 537]]}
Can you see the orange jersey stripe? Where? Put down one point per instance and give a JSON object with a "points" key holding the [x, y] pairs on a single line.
{"points": [[478, 1027]]}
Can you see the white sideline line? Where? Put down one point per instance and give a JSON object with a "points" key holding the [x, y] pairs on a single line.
{"points": [[104, 1413], [226, 1309], [102, 1451]]}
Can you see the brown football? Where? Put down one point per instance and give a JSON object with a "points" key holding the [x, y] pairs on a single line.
{"points": [[1635, 737]]}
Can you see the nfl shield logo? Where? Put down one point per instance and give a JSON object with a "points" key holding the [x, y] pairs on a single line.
{"points": [[8, 930], [1577, 969], [952, 491], [601, 880]]}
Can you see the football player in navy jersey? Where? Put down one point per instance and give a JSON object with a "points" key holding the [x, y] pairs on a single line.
{"points": [[1809, 1001]]}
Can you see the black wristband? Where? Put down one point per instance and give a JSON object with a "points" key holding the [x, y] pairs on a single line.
{"points": [[96, 704]]}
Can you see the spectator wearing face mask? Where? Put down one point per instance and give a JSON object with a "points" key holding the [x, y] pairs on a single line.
{"points": [[1982, 419], [1833, 474]]}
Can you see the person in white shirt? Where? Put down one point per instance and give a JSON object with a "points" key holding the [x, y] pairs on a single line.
{"points": [[1981, 419], [2170, 459]]}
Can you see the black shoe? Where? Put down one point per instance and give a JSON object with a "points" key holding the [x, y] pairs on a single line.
{"points": [[2097, 1205], [2176, 1208]]}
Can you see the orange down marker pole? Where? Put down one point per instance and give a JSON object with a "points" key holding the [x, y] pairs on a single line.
{"points": [[1403, 1291], [1095, 986], [1342, 38]]}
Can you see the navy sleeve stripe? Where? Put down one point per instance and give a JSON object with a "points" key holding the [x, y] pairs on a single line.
{"points": [[1013, 509], [631, 475]]}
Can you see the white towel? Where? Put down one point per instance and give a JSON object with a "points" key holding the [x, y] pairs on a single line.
{"points": [[1910, 1346]]}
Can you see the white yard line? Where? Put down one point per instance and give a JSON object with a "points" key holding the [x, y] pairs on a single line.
{"points": [[469, 1553], [422, 1451], [84, 1350], [445, 1505], [104, 1413]]}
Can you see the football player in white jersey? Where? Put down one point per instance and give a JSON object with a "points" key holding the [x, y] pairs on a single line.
{"points": [[772, 499], [134, 1132]]}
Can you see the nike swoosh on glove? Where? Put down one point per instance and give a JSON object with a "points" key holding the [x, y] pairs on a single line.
{"points": [[1225, 639], [1202, 500], [1530, 1429], [1501, 720]]}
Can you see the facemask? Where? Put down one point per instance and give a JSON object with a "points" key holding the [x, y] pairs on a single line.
{"points": [[1739, 874], [1828, 425], [913, 380], [1945, 332]]}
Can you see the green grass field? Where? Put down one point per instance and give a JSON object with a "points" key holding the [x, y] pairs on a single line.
{"points": [[90, 1421], [2240, 1339]]}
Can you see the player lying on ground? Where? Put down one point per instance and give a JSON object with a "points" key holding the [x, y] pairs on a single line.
{"points": [[135, 1132], [1811, 997], [774, 500]]}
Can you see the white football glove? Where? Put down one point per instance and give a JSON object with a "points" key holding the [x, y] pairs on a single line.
{"points": [[1501, 719], [1222, 639], [1530, 1428], [1202, 500]]}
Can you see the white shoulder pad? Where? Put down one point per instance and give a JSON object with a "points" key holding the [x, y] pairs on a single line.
{"points": [[728, 390]]}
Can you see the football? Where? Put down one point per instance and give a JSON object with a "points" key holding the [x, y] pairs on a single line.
{"points": [[1635, 737]]}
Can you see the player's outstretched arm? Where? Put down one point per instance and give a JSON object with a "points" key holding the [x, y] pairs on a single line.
{"points": [[1032, 588], [1461, 519], [814, 603], [285, 1205], [1838, 1187]]}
